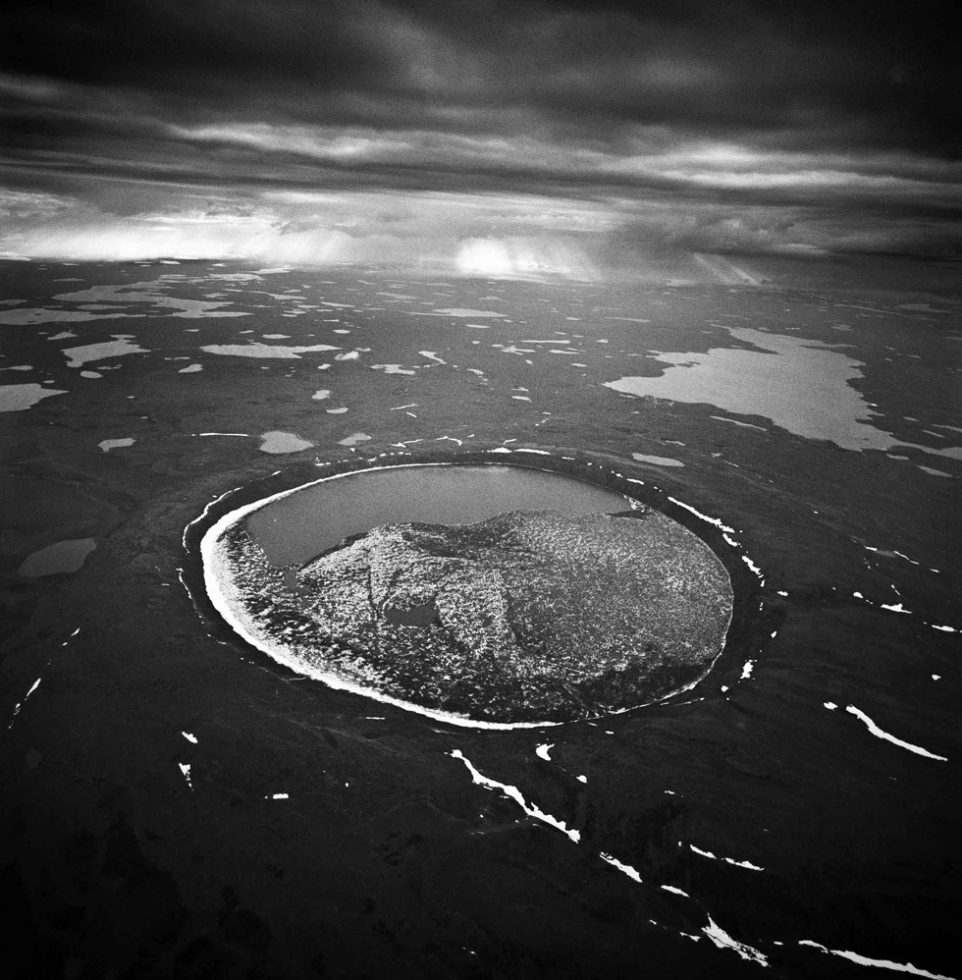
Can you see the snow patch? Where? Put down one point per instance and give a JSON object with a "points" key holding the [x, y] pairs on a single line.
{"points": [[513, 793], [869, 961], [723, 941]]}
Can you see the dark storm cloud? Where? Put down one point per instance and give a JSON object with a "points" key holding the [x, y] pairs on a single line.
{"points": [[854, 71], [815, 110]]}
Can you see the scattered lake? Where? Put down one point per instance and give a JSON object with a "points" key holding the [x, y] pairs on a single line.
{"points": [[58, 558]]}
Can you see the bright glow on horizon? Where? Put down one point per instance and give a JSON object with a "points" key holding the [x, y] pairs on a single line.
{"points": [[484, 256]]}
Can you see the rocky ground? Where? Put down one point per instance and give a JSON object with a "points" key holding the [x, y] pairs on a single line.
{"points": [[521, 618], [176, 804]]}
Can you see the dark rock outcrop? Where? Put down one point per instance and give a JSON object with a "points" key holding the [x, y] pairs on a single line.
{"points": [[528, 616]]}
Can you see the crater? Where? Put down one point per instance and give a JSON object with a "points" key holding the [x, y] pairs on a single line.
{"points": [[496, 596]]}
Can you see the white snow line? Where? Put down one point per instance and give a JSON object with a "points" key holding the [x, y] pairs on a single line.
{"points": [[219, 595], [743, 864], [869, 961], [723, 941], [710, 520], [19, 705], [625, 869], [513, 793], [727, 860], [887, 554], [184, 768], [878, 732], [674, 890], [754, 568]]}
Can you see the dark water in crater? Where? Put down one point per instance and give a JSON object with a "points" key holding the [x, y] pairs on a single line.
{"points": [[313, 519]]}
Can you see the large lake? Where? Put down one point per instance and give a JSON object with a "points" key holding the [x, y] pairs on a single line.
{"points": [[296, 527]]}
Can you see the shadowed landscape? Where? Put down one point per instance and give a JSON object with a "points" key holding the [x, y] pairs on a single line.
{"points": [[700, 261], [179, 802]]}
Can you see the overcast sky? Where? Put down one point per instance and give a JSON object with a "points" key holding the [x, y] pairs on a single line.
{"points": [[487, 135]]}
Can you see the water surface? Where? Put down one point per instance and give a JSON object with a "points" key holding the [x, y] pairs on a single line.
{"points": [[297, 527], [56, 559]]}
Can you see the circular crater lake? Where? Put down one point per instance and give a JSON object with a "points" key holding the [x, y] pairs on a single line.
{"points": [[496, 596]]}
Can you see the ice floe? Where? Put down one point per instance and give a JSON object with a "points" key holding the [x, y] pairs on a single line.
{"points": [[544, 751], [190, 737], [184, 768]]}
